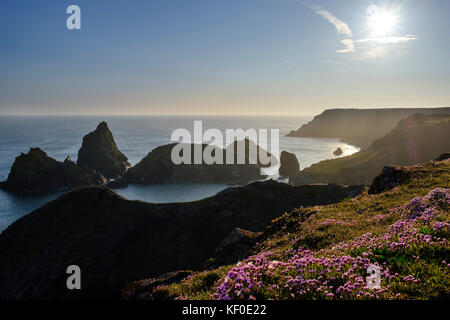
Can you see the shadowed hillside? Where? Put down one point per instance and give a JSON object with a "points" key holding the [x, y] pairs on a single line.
{"points": [[115, 240], [415, 139]]}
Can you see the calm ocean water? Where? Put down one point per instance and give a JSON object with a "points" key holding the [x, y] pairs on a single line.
{"points": [[135, 137]]}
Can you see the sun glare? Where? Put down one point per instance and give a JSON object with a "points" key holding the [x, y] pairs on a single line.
{"points": [[381, 22]]}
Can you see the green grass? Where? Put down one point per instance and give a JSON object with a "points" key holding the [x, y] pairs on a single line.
{"points": [[305, 228]]}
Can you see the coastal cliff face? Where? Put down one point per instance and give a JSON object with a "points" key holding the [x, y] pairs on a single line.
{"points": [[37, 172], [418, 138], [116, 241], [358, 127], [99, 152]]}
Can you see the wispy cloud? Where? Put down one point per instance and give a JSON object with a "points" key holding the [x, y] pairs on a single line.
{"points": [[292, 64], [341, 27], [349, 46], [388, 39]]}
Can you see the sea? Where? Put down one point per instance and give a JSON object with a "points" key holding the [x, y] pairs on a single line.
{"points": [[135, 136]]}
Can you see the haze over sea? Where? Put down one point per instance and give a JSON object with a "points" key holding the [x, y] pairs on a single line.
{"points": [[61, 136]]}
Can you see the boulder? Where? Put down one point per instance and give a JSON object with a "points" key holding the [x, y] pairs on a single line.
{"points": [[144, 289], [99, 152], [389, 178], [338, 151], [236, 245], [288, 164], [37, 172], [443, 156]]}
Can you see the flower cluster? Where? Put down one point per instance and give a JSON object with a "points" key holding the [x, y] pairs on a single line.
{"points": [[340, 272]]}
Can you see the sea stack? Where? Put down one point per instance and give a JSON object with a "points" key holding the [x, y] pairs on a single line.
{"points": [[99, 152], [338, 151], [158, 167], [37, 172], [288, 164]]}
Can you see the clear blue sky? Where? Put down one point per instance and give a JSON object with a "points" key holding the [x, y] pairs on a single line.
{"points": [[222, 56]]}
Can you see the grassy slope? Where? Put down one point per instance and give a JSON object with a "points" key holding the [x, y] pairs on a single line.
{"points": [[417, 270]]}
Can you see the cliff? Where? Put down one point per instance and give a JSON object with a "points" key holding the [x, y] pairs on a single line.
{"points": [[323, 252], [115, 240], [415, 139], [358, 127], [99, 152], [37, 172]]}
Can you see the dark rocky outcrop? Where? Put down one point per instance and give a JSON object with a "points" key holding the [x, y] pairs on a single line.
{"points": [[417, 139], [37, 172], [143, 289], [116, 241], [99, 152], [359, 127], [288, 164], [235, 246], [158, 167], [389, 178], [443, 157], [338, 151]]}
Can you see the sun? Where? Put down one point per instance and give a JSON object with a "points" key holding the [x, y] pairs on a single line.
{"points": [[380, 22]]}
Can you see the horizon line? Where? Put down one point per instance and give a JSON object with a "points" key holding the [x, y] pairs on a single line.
{"points": [[206, 114]]}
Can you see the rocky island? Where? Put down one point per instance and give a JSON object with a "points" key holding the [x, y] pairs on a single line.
{"points": [[288, 164], [338, 151], [99, 152], [158, 167], [37, 172]]}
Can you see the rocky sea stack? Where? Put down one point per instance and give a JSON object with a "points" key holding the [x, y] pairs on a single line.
{"points": [[338, 151], [288, 164], [158, 167], [99, 152], [37, 172]]}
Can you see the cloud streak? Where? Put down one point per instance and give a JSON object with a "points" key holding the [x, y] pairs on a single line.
{"points": [[341, 26], [349, 46], [387, 39], [292, 64]]}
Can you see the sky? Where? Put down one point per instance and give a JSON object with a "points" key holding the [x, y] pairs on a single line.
{"points": [[232, 57]]}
